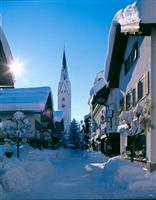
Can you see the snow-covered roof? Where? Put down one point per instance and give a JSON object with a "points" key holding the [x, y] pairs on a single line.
{"points": [[58, 115], [87, 116], [129, 20], [24, 99], [99, 83], [6, 76], [99, 76], [6, 47]]}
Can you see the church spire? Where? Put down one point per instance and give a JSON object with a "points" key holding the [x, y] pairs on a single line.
{"points": [[64, 63], [64, 71], [64, 93]]}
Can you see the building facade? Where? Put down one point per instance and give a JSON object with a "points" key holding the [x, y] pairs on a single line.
{"points": [[129, 96], [64, 94]]}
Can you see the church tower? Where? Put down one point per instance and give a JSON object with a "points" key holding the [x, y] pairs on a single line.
{"points": [[64, 93]]}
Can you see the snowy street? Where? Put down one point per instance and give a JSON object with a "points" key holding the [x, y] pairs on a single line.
{"points": [[67, 174]]}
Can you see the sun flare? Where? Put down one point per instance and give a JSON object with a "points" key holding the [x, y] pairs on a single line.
{"points": [[17, 68]]}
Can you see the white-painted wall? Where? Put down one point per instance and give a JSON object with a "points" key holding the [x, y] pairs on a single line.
{"points": [[128, 82], [142, 65], [151, 145]]}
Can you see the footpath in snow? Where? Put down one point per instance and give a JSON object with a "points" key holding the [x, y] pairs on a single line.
{"points": [[68, 174]]}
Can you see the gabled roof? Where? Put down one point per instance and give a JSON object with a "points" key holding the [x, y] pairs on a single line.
{"points": [[24, 99]]}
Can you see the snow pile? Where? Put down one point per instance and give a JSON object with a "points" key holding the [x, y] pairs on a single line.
{"points": [[69, 174], [148, 183], [121, 172], [93, 156], [18, 116], [129, 19], [136, 120], [35, 170], [15, 178]]}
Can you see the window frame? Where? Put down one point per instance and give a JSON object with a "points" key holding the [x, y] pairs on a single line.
{"points": [[128, 100], [140, 97], [132, 58], [134, 97]]}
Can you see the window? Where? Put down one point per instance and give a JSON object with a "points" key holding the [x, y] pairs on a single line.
{"points": [[134, 97], [63, 105], [63, 99], [122, 103], [128, 101], [140, 89], [131, 58], [134, 53]]}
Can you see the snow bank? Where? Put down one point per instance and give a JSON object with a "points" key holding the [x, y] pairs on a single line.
{"points": [[38, 170], [121, 171], [15, 178], [59, 174], [92, 156], [148, 182], [2, 193]]}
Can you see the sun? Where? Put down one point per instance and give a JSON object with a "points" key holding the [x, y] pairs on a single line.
{"points": [[16, 68]]}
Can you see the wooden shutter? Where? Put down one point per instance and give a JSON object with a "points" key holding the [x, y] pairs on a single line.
{"points": [[125, 102], [146, 83], [136, 91]]}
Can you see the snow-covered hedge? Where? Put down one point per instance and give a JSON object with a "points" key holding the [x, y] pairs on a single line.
{"points": [[136, 120]]}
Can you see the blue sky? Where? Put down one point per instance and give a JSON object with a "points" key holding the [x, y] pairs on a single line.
{"points": [[38, 30]]}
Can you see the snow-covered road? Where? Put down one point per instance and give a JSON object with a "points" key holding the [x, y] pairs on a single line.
{"points": [[67, 174]]}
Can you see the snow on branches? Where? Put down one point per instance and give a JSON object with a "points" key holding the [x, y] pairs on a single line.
{"points": [[19, 124], [136, 120]]}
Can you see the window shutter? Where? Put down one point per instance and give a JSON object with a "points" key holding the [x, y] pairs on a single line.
{"points": [[146, 83], [136, 91], [124, 102]]}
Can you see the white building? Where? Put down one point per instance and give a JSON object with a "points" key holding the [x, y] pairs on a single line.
{"points": [[64, 94], [130, 71], [35, 103]]}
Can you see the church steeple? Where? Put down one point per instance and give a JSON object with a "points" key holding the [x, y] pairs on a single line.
{"points": [[64, 63], [64, 93], [64, 71]]}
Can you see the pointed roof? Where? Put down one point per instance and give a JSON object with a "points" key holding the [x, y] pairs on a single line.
{"points": [[64, 71], [64, 63]]}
